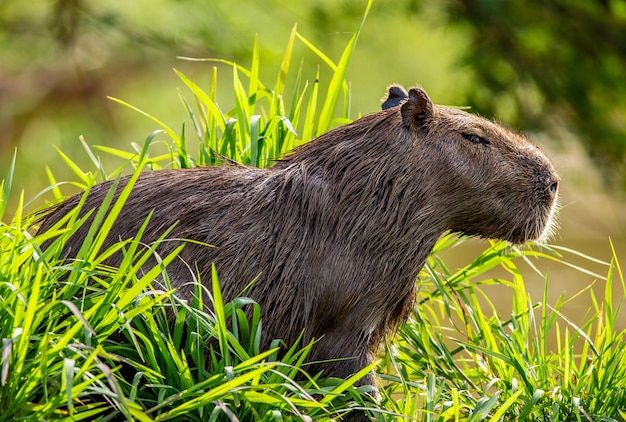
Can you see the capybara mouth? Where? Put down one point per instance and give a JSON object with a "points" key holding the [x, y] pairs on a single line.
{"points": [[541, 217]]}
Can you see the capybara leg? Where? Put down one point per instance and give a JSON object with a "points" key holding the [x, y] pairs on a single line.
{"points": [[357, 416], [342, 356]]}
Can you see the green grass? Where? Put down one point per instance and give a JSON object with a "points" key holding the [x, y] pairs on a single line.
{"points": [[84, 341], [458, 358]]}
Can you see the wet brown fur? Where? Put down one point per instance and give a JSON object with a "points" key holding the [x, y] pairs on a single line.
{"points": [[337, 231]]}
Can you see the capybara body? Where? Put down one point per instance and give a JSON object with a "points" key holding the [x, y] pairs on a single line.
{"points": [[334, 234]]}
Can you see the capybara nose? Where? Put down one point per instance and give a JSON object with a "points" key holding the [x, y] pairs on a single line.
{"points": [[553, 188], [552, 185], [549, 183]]}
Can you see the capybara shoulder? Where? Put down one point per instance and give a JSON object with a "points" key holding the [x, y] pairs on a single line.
{"points": [[335, 233]]}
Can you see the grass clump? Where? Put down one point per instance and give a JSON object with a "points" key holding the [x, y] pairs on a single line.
{"points": [[458, 358], [84, 341]]}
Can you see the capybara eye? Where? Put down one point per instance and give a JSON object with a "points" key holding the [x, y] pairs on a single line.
{"points": [[475, 139]]}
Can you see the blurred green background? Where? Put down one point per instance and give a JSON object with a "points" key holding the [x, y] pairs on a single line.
{"points": [[553, 69]]}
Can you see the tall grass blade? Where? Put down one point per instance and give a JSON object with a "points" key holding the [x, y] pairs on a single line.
{"points": [[165, 127], [218, 306], [5, 186], [207, 100], [338, 79]]}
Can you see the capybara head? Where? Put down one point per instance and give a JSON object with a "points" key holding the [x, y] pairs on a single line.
{"points": [[334, 234], [492, 182], [475, 177]]}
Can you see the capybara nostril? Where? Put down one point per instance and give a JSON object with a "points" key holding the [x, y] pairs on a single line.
{"points": [[554, 187]]}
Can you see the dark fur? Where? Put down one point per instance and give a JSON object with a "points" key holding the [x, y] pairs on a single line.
{"points": [[337, 231], [395, 96]]}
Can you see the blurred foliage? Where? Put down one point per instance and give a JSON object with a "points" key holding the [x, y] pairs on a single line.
{"points": [[545, 63], [59, 60]]}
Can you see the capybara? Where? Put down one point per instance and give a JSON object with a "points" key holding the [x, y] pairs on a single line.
{"points": [[336, 232]]}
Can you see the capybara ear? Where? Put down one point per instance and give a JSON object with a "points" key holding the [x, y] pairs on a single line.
{"points": [[418, 109], [395, 95]]}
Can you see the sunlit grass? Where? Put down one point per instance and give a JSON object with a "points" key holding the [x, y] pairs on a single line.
{"points": [[457, 357]]}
